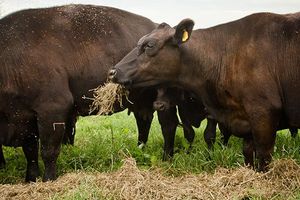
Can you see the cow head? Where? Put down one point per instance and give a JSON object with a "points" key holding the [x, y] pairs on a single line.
{"points": [[167, 97], [156, 59]]}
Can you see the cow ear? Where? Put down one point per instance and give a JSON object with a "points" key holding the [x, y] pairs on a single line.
{"points": [[183, 31]]}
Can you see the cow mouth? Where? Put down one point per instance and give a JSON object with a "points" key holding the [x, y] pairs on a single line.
{"points": [[160, 106], [137, 84]]}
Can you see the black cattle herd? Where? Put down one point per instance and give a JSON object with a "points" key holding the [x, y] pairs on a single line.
{"points": [[243, 76]]}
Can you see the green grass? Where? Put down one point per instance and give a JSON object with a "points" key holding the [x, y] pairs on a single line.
{"points": [[102, 142]]}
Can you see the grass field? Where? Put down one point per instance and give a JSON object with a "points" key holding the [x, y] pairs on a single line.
{"points": [[102, 143]]}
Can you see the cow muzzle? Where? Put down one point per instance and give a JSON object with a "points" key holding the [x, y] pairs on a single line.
{"points": [[112, 74], [159, 106]]}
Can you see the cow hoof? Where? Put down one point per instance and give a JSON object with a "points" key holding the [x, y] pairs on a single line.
{"points": [[45, 179], [167, 158], [263, 169], [31, 177], [141, 146], [49, 177]]}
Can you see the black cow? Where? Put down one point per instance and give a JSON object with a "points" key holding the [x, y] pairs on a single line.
{"points": [[142, 107], [50, 58], [246, 72], [191, 112]]}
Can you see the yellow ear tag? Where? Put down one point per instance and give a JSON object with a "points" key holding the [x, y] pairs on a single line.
{"points": [[185, 35]]}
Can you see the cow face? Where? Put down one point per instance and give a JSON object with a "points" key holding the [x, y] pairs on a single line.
{"points": [[167, 97], [156, 59]]}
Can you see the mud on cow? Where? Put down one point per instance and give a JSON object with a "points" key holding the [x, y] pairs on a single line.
{"points": [[49, 59], [246, 72]]}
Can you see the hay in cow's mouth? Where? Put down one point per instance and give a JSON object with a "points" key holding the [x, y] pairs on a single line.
{"points": [[106, 96]]}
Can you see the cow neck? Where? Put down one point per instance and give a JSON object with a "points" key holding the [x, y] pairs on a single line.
{"points": [[201, 61]]}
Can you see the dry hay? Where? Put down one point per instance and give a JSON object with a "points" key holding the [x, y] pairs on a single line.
{"points": [[106, 96], [129, 182]]}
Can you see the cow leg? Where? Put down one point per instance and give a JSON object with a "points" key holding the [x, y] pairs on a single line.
{"points": [[189, 135], [188, 130], [71, 127], [264, 145], [293, 132], [51, 130], [2, 159], [168, 121], [143, 124], [248, 151], [30, 149], [210, 132], [225, 134], [52, 119], [264, 133], [69, 135]]}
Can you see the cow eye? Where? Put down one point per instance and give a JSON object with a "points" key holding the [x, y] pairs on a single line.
{"points": [[146, 47], [149, 45]]}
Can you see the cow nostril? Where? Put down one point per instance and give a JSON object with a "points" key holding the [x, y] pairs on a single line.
{"points": [[112, 73], [158, 106]]}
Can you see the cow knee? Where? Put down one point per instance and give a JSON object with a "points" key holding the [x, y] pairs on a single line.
{"points": [[189, 134], [209, 138]]}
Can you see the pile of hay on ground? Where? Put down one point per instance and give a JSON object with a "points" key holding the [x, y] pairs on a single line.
{"points": [[106, 96], [129, 182]]}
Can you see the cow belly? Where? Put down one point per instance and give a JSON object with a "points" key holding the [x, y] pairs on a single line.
{"points": [[18, 125], [11, 137]]}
